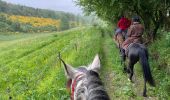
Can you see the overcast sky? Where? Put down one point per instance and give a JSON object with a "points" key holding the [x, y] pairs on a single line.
{"points": [[57, 5]]}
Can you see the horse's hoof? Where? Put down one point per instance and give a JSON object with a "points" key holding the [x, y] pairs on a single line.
{"points": [[125, 70], [130, 80], [144, 95], [128, 71]]}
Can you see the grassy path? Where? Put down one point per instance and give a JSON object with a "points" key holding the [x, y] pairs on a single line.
{"points": [[116, 81]]}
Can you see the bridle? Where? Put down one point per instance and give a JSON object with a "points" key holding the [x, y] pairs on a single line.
{"points": [[73, 85]]}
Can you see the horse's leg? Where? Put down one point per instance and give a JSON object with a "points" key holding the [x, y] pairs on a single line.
{"points": [[144, 90], [147, 54], [130, 69], [132, 61], [120, 41]]}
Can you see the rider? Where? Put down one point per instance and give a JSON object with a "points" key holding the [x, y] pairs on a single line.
{"points": [[134, 33], [123, 25]]}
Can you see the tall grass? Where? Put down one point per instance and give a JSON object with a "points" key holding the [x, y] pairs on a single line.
{"points": [[160, 60], [30, 69]]}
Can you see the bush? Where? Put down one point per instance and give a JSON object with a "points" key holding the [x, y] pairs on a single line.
{"points": [[4, 27]]}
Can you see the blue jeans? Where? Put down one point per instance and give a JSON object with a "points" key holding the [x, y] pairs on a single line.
{"points": [[124, 32]]}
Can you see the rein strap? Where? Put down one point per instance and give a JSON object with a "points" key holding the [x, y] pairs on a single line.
{"points": [[73, 86]]}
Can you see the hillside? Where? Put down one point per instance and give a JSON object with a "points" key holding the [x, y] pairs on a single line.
{"points": [[67, 20], [13, 9]]}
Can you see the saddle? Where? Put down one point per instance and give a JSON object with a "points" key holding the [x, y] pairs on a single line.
{"points": [[130, 42]]}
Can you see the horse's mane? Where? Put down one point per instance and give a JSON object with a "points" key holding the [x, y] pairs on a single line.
{"points": [[95, 87]]}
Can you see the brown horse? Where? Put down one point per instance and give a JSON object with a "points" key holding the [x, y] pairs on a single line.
{"points": [[119, 39]]}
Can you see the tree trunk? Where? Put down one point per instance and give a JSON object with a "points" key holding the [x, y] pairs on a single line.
{"points": [[155, 30], [157, 24]]}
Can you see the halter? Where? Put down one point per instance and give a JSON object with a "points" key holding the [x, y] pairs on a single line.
{"points": [[74, 84]]}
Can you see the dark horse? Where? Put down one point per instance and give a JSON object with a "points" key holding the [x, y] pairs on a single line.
{"points": [[138, 52]]}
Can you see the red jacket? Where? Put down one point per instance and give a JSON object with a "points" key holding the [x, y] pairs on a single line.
{"points": [[124, 23]]}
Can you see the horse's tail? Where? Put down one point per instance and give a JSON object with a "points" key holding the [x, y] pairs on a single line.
{"points": [[146, 69]]}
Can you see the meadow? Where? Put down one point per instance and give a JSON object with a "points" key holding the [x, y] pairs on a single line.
{"points": [[30, 69], [29, 66]]}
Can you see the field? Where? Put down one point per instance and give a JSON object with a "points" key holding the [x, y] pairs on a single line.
{"points": [[29, 66], [30, 69]]}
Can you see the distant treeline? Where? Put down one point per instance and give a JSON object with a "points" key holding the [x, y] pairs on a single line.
{"points": [[66, 20]]}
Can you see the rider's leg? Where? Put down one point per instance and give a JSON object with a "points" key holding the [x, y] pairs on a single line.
{"points": [[118, 30], [124, 33]]}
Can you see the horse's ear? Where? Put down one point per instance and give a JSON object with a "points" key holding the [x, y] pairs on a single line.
{"points": [[69, 70], [95, 66]]}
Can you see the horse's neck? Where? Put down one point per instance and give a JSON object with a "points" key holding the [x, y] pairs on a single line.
{"points": [[91, 86], [80, 92]]}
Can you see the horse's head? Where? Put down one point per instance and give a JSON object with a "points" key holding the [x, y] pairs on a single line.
{"points": [[78, 78]]}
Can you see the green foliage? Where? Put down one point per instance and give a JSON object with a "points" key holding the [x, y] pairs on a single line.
{"points": [[152, 12], [7, 25], [116, 81], [160, 60], [30, 69], [4, 27], [65, 23], [28, 11], [12, 9]]}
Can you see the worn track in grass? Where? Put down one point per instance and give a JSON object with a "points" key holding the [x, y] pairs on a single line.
{"points": [[30, 69]]}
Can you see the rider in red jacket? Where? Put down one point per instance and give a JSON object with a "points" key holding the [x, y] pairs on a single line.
{"points": [[124, 23]]}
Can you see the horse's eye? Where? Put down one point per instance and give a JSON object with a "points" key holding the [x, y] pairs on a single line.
{"points": [[82, 91]]}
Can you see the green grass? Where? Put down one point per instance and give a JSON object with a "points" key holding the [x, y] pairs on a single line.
{"points": [[116, 81], [29, 68], [160, 60]]}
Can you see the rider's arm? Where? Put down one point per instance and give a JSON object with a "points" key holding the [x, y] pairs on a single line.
{"points": [[129, 33]]}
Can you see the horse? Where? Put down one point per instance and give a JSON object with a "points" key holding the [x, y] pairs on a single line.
{"points": [[84, 82], [119, 38], [138, 52]]}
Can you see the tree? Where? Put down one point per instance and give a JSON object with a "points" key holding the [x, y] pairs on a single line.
{"points": [[152, 12], [41, 18]]}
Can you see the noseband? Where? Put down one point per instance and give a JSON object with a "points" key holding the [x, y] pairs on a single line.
{"points": [[78, 78]]}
